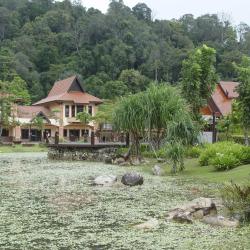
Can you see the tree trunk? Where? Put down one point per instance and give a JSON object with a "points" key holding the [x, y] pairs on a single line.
{"points": [[246, 137], [136, 147], [174, 168], [158, 139]]}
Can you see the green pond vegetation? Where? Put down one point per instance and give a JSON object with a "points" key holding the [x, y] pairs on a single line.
{"points": [[52, 205]]}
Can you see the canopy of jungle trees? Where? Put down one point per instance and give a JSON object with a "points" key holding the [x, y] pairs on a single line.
{"points": [[115, 53]]}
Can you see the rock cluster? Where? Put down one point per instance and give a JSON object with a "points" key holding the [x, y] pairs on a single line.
{"points": [[128, 179], [106, 155], [195, 209], [203, 209]]}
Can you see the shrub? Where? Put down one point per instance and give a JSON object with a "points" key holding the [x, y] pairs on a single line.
{"points": [[207, 154], [224, 155], [245, 157], [236, 199], [161, 153], [225, 162], [193, 152]]}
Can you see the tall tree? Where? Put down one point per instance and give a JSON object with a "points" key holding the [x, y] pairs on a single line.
{"points": [[199, 78], [244, 94]]}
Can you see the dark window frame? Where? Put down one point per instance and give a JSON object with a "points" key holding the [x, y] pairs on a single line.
{"points": [[73, 111], [79, 108], [25, 133], [66, 111], [5, 132], [90, 110], [65, 133]]}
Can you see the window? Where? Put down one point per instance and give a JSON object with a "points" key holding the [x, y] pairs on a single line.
{"points": [[90, 110], [73, 111], [25, 133], [85, 132], [79, 109], [5, 132], [67, 111], [65, 133], [48, 132]]}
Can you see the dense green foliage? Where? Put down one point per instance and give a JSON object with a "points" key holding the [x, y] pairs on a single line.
{"points": [[199, 78], [114, 53], [244, 95], [11, 92], [224, 155]]}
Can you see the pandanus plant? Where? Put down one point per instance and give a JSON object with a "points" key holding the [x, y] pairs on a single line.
{"points": [[160, 111]]}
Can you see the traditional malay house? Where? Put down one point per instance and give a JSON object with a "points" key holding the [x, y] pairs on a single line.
{"points": [[55, 113], [219, 105]]}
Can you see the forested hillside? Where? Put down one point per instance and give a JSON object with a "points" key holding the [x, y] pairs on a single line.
{"points": [[113, 53]]}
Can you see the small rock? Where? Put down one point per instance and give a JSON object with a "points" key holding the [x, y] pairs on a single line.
{"points": [[156, 170], [119, 161], [198, 215], [107, 180], [220, 221], [132, 179], [150, 224], [136, 162], [125, 164], [108, 160], [183, 218]]}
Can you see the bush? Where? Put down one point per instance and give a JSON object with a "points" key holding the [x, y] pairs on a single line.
{"points": [[161, 153], [225, 162], [236, 199], [224, 155], [245, 157], [193, 152]]}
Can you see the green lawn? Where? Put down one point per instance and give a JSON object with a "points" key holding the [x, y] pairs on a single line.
{"points": [[239, 174], [22, 149]]}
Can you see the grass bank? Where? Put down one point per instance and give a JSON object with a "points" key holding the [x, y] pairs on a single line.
{"points": [[207, 174]]}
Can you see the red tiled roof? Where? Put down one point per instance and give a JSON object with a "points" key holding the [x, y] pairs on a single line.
{"points": [[229, 89], [61, 92], [76, 97], [62, 86], [221, 100], [31, 111]]}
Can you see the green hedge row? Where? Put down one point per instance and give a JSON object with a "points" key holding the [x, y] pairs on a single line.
{"points": [[224, 155]]}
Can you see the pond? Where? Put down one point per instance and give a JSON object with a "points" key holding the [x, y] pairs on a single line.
{"points": [[52, 205]]}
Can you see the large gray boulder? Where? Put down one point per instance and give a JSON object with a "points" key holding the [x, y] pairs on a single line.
{"points": [[132, 179], [195, 209], [105, 180]]}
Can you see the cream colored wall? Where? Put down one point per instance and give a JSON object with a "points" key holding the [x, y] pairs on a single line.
{"points": [[65, 123]]}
